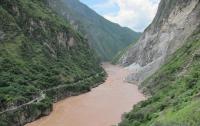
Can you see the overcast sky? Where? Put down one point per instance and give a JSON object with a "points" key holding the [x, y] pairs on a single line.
{"points": [[135, 14]]}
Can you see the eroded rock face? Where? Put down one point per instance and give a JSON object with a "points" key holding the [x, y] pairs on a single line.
{"points": [[174, 23], [65, 40], [16, 10], [71, 42], [1, 35], [62, 39]]}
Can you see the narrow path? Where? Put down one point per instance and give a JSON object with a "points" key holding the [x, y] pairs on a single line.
{"points": [[41, 96], [103, 106], [37, 99]]}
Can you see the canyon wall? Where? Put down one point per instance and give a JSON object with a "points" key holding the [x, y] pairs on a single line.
{"points": [[174, 22]]}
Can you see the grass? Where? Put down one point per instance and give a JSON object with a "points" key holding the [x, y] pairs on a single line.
{"points": [[188, 116]]}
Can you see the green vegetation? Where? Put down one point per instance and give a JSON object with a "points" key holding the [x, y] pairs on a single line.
{"points": [[174, 91], [36, 55], [105, 37], [121, 53]]}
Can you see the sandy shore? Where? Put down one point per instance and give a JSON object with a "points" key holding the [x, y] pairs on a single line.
{"points": [[103, 106]]}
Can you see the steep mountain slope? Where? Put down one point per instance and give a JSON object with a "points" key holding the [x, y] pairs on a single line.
{"points": [[42, 59], [175, 21], [104, 36], [175, 91]]}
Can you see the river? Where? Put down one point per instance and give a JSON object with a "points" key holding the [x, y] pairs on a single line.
{"points": [[103, 106]]}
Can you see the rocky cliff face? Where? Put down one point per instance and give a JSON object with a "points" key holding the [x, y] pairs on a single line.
{"points": [[175, 21]]}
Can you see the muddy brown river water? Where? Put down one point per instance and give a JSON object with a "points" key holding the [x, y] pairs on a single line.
{"points": [[103, 106]]}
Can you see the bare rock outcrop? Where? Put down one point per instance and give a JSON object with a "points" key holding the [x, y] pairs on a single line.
{"points": [[1, 35], [174, 22]]}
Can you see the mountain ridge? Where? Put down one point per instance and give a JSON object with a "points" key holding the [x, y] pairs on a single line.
{"points": [[105, 37], [174, 22]]}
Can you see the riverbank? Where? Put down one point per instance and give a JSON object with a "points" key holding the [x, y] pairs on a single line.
{"points": [[103, 106], [42, 105]]}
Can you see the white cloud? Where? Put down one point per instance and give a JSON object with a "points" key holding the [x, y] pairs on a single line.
{"points": [[135, 14], [105, 5]]}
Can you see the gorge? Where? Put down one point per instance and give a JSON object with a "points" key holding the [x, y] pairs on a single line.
{"points": [[103, 106], [52, 69]]}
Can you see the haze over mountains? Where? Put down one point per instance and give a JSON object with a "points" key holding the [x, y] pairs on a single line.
{"points": [[105, 37]]}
